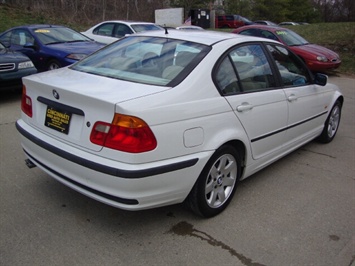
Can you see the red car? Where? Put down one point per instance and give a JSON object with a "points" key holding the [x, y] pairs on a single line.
{"points": [[317, 58], [231, 21]]}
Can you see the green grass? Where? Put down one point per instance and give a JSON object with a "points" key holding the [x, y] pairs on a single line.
{"points": [[339, 37]]}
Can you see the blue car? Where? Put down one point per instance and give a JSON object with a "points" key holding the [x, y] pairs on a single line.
{"points": [[13, 66], [49, 46]]}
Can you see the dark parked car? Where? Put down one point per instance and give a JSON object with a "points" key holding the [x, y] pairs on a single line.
{"points": [[265, 22], [231, 21], [13, 66], [288, 23], [317, 58], [49, 46]]}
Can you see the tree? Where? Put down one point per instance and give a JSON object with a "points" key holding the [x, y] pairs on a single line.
{"points": [[191, 4], [241, 7], [274, 10]]}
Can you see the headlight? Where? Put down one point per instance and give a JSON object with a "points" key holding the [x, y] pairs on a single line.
{"points": [[76, 56], [26, 64], [322, 58]]}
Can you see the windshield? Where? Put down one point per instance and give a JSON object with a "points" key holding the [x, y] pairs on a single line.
{"points": [[148, 60], [290, 38], [2, 46], [145, 27], [51, 35], [245, 20]]}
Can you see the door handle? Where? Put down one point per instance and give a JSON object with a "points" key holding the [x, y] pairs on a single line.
{"points": [[244, 107], [292, 98]]}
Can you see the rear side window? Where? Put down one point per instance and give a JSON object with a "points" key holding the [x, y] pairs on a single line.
{"points": [[145, 27], [226, 78], [250, 32], [121, 30], [6, 38], [244, 69]]}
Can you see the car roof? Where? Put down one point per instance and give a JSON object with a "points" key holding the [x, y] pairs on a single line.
{"points": [[128, 22], [199, 36], [35, 26]]}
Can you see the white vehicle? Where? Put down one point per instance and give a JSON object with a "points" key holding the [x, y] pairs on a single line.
{"points": [[109, 31], [160, 118]]}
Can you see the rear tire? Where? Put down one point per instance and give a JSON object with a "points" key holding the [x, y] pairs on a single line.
{"points": [[331, 125], [216, 185]]}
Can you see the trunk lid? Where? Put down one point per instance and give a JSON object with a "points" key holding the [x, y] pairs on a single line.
{"points": [[67, 103]]}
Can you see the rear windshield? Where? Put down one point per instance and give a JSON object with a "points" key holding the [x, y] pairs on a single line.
{"points": [[145, 27], [148, 60]]}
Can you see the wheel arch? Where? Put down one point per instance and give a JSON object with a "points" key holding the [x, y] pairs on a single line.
{"points": [[52, 58], [340, 99], [241, 149]]}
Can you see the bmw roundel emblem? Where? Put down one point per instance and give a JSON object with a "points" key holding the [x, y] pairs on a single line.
{"points": [[55, 94]]}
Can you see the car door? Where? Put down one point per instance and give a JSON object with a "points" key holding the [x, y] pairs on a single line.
{"points": [[22, 41], [104, 33], [121, 30], [306, 101], [245, 78]]}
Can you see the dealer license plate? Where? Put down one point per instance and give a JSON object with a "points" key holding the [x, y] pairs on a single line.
{"points": [[57, 119]]}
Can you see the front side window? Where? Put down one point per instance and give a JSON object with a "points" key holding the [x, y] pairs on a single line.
{"points": [[104, 30], [22, 37], [148, 60], [292, 70], [267, 34]]}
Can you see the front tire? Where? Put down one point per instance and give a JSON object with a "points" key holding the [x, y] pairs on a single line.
{"points": [[53, 64], [331, 125], [215, 187]]}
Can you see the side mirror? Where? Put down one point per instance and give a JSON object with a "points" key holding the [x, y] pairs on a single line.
{"points": [[320, 79]]}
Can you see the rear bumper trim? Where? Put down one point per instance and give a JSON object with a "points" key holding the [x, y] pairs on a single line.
{"points": [[86, 188], [103, 168]]}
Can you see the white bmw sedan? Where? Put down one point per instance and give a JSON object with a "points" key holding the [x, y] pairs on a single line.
{"points": [[160, 118]]}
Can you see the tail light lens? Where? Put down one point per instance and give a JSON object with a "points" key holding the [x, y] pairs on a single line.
{"points": [[26, 103], [125, 133]]}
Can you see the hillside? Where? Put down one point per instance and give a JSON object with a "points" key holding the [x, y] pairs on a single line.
{"points": [[339, 37]]}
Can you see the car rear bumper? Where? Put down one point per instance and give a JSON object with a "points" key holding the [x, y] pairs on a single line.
{"points": [[126, 186]]}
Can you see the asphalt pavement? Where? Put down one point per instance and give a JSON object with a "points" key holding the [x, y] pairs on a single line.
{"points": [[298, 211]]}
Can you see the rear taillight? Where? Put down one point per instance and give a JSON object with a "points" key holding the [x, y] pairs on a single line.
{"points": [[26, 103], [125, 133]]}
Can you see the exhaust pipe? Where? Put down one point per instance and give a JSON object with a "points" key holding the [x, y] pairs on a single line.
{"points": [[29, 163]]}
